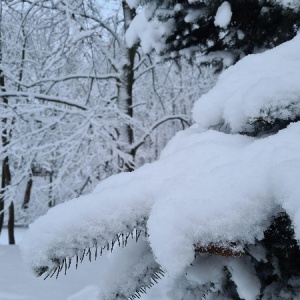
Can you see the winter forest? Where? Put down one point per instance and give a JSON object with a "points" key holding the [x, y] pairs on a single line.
{"points": [[150, 149]]}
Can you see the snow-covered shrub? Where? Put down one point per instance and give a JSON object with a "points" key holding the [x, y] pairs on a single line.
{"points": [[219, 211]]}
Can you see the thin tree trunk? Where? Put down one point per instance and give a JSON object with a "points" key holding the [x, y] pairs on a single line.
{"points": [[21, 73], [51, 202], [27, 193], [6, 176], [125, 85], [5, 181], [11, 224], [1, 213]]}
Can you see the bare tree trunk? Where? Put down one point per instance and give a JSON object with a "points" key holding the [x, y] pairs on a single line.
{"points": [[125, 84], [21, 73], [11, 224], [6, 176], [5, 180], [51, 202], [1, 212], [27, 192]]}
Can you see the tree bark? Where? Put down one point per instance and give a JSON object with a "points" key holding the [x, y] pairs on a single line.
{"points": [[125, 85]]}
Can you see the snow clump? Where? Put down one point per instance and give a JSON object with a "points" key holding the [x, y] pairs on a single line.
{"points": [[223, 15]]}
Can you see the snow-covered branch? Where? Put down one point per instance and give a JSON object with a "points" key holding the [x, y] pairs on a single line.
{"points": [[181, 118], [48, 98]]}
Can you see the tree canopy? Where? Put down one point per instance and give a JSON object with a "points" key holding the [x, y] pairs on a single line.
{"points": [[77, 103]]}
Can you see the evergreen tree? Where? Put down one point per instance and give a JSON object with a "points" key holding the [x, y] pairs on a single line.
{"points": [[238, 26]]}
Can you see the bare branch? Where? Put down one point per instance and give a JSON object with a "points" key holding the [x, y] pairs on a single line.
{"points": [[139, 63]]}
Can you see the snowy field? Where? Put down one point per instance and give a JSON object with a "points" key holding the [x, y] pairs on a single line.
{"points": [[18, 283]]}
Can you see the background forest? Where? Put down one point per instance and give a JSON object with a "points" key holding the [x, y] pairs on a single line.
{"points": [[73, 112]]}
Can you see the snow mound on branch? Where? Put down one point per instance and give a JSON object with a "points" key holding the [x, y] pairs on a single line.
{"points": [[88, 220], [261, 86], [225, 188], [223, 15], [208, 187]]}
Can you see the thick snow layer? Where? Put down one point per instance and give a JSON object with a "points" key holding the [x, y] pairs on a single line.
{"points": [[261, 86], [100, 217], [223, 15], [207, 187], [232, 184]]}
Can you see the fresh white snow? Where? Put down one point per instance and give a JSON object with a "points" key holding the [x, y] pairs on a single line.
{"points": [[17, 281], [149, 32], [19, 232]]}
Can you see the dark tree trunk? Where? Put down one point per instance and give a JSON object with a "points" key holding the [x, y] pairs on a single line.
{"points": [[27, 193], [11, 224], [5, 181], [51, 202], [1, 211]]}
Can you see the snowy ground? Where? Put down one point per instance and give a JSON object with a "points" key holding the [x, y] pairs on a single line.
{"points": [[17, 282]]}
